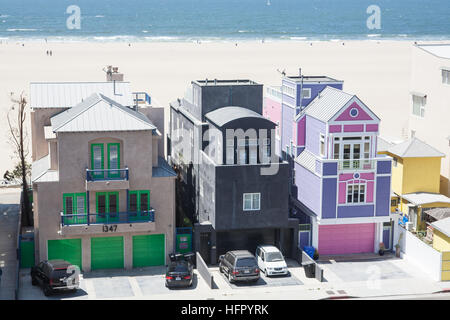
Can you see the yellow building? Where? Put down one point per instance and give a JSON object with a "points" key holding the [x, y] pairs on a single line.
{"points": [[415, 179], [441, 242]]}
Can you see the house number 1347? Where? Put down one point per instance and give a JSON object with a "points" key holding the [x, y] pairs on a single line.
{"points": [[111, 228]]}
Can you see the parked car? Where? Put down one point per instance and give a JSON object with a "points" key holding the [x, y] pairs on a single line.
{"points": [[239, 265], [180, 271], [55, 275], [271, 261]]}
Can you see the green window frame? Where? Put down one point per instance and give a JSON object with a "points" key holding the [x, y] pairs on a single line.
{"points": [[107, 215], [74, 197], [140, 212], [98, 175], [113, 174]]}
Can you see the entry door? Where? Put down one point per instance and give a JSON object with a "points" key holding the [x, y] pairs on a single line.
{"points": [[205, 246], [387, 234], [97, 163], [107, 205]]}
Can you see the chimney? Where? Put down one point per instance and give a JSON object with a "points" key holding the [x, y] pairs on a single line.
{"points": [[112, 74]]}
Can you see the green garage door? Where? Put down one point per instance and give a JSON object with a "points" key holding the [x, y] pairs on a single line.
{"points": [[67, 249], [148, 250], [107, 253]]}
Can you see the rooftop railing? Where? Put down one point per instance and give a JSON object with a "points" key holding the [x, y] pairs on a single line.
{"points": [[106, 174], [108, 218]]}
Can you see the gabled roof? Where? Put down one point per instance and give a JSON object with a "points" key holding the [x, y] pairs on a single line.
{"points": [[225, 115], [327, 103], [420, 198], [99, 113], [69, 94], [414, 148], [442, 226]]}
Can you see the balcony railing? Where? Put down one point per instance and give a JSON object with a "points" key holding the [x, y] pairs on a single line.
{"points": [[107, 218], [356, 164], [106, 174]]}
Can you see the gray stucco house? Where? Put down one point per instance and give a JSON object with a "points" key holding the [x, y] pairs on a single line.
{"points": [[231, 185]]}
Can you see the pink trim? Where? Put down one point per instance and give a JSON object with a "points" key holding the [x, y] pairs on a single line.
{"points": [[346, 238], [354, 128], [301, 131], [342, 192], [345, 176], [368, 176], [335, 128], [371, 127], [362, 115], [369, 195]]}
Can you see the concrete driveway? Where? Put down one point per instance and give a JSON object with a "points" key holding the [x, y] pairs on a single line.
{"points": [[142, 283]]}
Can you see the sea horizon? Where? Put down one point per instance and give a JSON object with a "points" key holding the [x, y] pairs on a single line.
{"points": [[220, 20]]}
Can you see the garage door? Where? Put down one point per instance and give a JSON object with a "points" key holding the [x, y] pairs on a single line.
{"points": [[67, 249], [107, 253], [346, 238], [148, 250]]}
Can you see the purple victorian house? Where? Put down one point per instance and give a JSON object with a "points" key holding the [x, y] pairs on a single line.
{"points": [[340, 186]]}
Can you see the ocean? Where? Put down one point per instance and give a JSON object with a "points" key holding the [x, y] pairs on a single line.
{"points": [[203, 20]]}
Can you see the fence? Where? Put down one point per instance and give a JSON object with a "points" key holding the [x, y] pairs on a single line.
{"points": [[302, 256], [421, 254], [203, 270]]}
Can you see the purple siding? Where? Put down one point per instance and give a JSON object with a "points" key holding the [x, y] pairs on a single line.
{"points": [[355, 211], [286, 135], [314, 128], [329, 192], [384, 167], [329, 168], [304, 239], [383, 197], [308, 185]]}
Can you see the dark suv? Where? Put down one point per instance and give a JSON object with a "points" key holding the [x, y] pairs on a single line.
{"points": [[239, 265], [55, 275]]}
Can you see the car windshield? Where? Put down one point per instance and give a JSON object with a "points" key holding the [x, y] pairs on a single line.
{"points": [[245, 262], [274, 256], [178, 267]]}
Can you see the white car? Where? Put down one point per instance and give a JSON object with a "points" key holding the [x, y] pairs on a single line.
{"points": [[271, 261]]}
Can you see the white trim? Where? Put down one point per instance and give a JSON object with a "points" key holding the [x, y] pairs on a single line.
{"points": [[251, 194], [360, 104], [324, 222]]}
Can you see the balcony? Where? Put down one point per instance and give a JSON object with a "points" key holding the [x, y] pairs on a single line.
{"points": [[107, 179], [88, 223], [356, 164]]}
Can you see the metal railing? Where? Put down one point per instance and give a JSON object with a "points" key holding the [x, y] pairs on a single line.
{"points": [[142, 97], [107, 218], [106, 174], [356, 164]]}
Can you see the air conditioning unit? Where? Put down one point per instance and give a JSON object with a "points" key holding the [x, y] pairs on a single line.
{"points": [[409, 226]]}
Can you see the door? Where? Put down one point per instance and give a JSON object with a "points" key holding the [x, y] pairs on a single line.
{"points": [[107, 253], [139, 205], [346, 238], [66, 249], [113, 160], [387, 235], [149, 250], [205, 246], [107, 204], [97, 160]]}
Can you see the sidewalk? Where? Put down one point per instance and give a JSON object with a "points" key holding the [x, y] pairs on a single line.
{"points": [[9, 215]]}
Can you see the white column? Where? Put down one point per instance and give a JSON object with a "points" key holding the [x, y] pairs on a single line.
{"points": [[315, 233]]}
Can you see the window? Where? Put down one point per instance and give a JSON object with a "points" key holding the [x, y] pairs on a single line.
{"points": [[356, 193], [242, 151], [306, 93], [74, 203], [266, 150], [107, 202], [230, 151], [445, 76], [289, 91], [394, 162], [113, 159], [97, 162], [419, 103], [336, 151], [252, 201], [322, 145], [393, 202]]}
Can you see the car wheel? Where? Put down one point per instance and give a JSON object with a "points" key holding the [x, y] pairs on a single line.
{"points": [[265, 272], [47, 291], [34, 281]]}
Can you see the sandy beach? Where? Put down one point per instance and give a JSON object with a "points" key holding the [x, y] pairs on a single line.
{"points": [[377, 71]]}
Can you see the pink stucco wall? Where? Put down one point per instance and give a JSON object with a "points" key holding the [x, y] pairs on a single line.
{"points": [[346, 238], [272, 110]]}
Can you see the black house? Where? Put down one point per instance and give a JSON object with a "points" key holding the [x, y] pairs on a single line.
{"points": [[234, 188]]}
